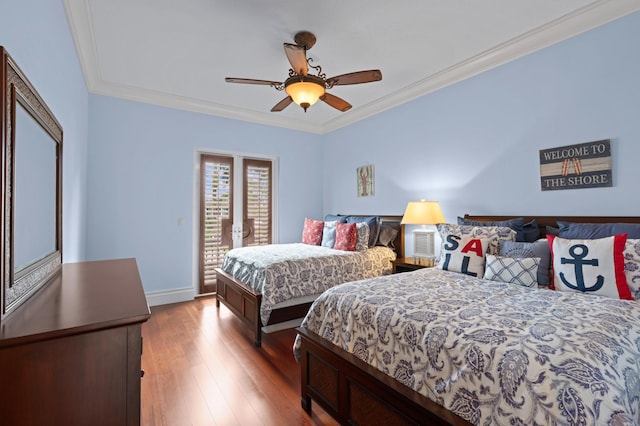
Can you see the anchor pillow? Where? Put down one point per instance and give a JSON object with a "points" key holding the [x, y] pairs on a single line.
{"points": [[590, 266]]}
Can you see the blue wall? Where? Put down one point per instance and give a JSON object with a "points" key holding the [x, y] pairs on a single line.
{"points": [[37, 36], [474, 146], [141, 175]]}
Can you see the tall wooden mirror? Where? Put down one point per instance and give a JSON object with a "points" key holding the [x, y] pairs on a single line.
{"points": [[31, 186]]}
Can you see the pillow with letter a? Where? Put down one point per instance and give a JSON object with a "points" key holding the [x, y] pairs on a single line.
{"points": [[463, 254], [590, 266]]}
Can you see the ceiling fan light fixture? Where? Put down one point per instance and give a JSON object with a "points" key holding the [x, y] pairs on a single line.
{"points": [[304, 90]]}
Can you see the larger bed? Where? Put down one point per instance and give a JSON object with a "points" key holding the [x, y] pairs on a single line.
{"points": [[439, 347], [276, 284]]}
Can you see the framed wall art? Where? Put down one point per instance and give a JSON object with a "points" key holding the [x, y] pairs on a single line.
{"points": [[585, 165], [365, 181]]}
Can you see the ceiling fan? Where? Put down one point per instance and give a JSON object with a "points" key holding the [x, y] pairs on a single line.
{"points": [[305, 89]]}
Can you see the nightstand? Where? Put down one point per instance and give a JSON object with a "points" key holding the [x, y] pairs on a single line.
{"points": [[407, 264]]}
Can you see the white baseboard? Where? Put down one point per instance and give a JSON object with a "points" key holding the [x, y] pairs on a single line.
{"points": [[165, 297]]}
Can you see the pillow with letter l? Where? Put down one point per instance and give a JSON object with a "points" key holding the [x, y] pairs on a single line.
{"points": [[463, 254], [590, 266]]}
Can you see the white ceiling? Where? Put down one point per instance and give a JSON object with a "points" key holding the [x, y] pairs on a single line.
{"points": [[177, 53]]}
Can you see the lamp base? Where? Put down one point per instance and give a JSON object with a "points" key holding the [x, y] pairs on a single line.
{"points": [[423, 244]]}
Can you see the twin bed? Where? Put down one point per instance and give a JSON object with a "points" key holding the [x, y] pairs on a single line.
{"points": [[270, 286], [440, 347]]}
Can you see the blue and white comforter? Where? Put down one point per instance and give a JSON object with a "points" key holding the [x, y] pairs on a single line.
{"points": [[282, 272], [493, 353]]}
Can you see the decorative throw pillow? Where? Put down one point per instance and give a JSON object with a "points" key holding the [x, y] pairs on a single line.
{"points": [[518, 270], [362, 236], [574, 230], [387, 235], [374, 226], [463, 254], [632, 266], [539, 249], [329, 234], [525, 232], [312, 232], [346, 236], [493, 233], [335, 218], [590, 266]]}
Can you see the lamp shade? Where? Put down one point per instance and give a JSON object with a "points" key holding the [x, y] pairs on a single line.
{"points": [[305, 92], [423, 213]]}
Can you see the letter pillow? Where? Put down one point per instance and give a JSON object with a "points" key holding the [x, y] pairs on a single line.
{"points": [[463, 254], [593, 266]]}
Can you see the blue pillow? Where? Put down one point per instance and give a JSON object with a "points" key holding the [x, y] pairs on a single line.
{"points": [[329, 234], [586, 231], [374, 226], [335, 218]]}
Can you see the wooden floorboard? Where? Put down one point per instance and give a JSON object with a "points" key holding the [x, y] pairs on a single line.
{"points": [[201, 368]]}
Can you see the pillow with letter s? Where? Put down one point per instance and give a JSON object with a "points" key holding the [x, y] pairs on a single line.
{"points": [[463, 254]]}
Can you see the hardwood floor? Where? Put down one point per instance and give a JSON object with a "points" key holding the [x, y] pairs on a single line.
{"points": [[194, 376]]}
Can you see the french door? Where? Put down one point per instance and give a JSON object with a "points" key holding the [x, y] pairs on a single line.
{"points": [[236, 209]]}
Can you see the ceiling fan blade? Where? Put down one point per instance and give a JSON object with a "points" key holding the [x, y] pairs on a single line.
{"points": [[355, 78], [336, 102], [297, 57], [252, 81], [282, 104]]}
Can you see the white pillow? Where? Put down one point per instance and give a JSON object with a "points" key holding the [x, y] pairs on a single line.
{"points": [[593, 266], [329, 234], [522, 271], [463, 254]]}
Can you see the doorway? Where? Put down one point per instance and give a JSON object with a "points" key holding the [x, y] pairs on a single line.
{"points": [[236, 209]]}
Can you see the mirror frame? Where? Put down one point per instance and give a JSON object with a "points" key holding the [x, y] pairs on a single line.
{"points": [[16, 88]]}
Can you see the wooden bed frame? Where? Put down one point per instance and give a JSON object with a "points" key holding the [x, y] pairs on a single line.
{"points": [[244, 301], [354, 393]]}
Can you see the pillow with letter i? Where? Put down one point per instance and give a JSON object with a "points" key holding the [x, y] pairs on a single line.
{"points": [[463, 254], [590, 266]]}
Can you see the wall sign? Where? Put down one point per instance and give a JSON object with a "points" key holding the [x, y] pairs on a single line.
{"points": [[365, 181], [586, 165]]}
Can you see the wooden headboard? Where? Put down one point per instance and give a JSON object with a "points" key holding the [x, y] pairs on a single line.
{"points": [[544, 221]]}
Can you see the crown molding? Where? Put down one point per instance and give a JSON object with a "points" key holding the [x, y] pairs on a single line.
{"points": [[567, 26], [204, 107]]}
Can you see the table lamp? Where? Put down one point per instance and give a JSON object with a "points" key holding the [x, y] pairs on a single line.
{"points": [[423, 213]]}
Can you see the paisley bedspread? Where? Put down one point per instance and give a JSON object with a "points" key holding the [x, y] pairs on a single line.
{"points": [[282, 272], [493, 353]]}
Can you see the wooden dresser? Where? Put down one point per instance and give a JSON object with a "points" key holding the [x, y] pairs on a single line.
{"points": [[71, 354]]}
